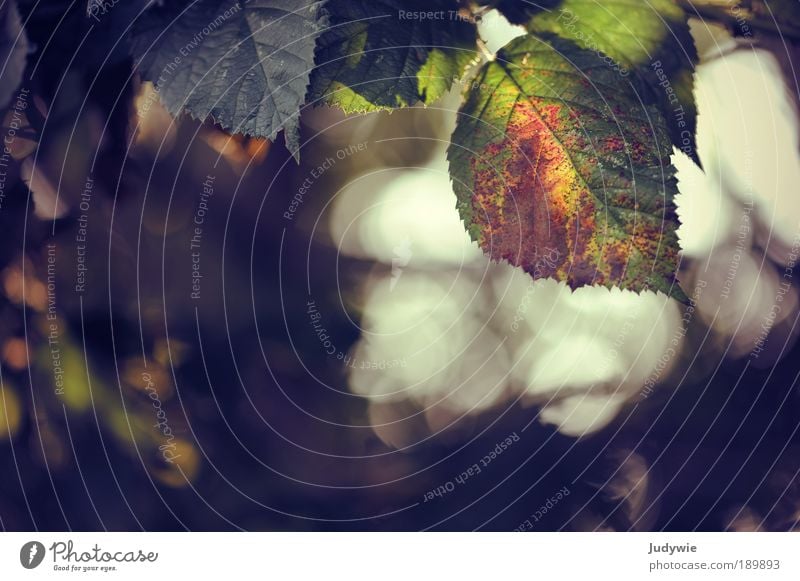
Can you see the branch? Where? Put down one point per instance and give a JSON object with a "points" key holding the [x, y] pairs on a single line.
{"points": [[738, 16]]}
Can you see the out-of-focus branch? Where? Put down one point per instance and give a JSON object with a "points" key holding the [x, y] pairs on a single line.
{"points": [[739, 15]]}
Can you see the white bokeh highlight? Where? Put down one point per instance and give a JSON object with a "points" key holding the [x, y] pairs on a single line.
{"points": [[475, 336]]}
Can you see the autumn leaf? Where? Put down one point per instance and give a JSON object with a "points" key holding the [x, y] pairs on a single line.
{"points": [[560, 169], [649, 41]]}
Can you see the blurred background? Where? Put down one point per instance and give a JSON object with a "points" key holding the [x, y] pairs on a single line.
{"points": [[197, 332]]}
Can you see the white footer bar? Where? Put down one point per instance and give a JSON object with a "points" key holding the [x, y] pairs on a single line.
{"points": [[400, 556]]}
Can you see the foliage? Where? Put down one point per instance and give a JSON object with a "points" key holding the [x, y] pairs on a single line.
{"points": [[563, 142]]}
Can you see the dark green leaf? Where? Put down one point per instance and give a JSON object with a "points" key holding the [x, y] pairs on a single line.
{"points": [[520, 11], [391, 53], [245, 65], [13, 52]]}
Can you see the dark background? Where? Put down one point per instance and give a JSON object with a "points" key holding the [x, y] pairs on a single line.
{"points": [[722, 456]]}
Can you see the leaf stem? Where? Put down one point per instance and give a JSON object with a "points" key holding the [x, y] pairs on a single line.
{"points": [[485, 52]]}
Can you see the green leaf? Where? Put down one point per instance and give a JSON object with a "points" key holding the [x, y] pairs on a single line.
{"points": [[649, 41], [246, 65], [13, 52], [559, 169], [384, 54]]}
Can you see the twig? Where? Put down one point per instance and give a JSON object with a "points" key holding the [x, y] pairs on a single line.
{"points": [[728, 15]]}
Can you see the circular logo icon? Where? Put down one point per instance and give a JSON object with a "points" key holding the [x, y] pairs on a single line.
{"points": [[31, 554]]}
